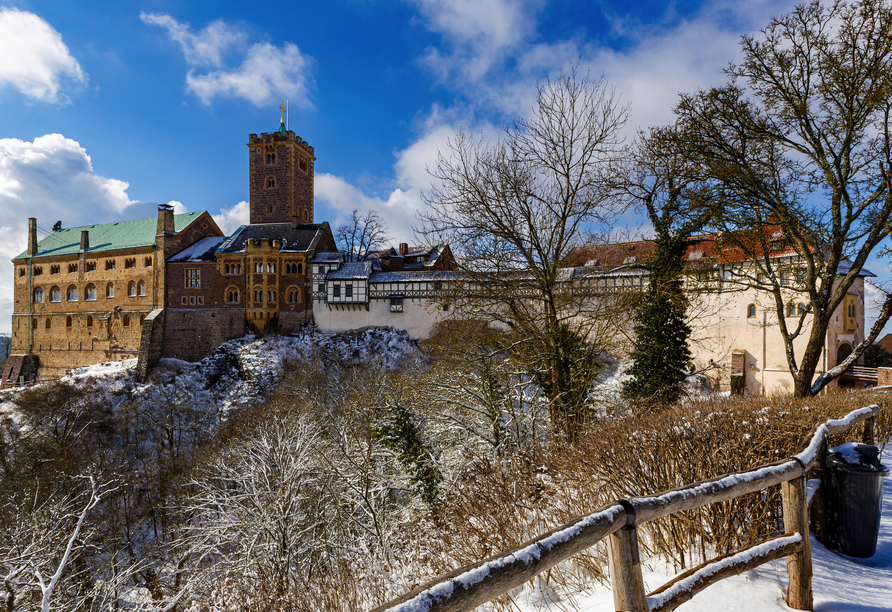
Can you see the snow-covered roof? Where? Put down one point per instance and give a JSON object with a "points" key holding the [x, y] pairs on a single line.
{"points": [[411, 276], [203, 250], [351, 271], [327, 257]]}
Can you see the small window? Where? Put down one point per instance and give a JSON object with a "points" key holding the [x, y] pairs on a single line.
{"points": [[336, 291], [321, 288], [89, 321], [294, 296], [193, 278], [38, 295], [300, 268], [148, 262], [269, 209], [54, 269], [271, 296], [21, 271], [751, 311], [801, 309], [270, 183], [110, 264], [55, 294], [185, 301], [302, 163], [38, 271], [348, 290], [34, 324], [91, 266], [130, 263], [319, 270], [396, 304], [109, 291], [90, 292], [72, 293], [68, 321], [48, 324], [126, 320], [791, 309], [201, 299], [232, 297], [271, 268], [131, 289], [851, 309], [72, 268], [141, 288], [258, 268], [270, 157]]}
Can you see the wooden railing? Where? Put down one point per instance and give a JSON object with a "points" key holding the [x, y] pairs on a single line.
{"points": [[466, 588]]}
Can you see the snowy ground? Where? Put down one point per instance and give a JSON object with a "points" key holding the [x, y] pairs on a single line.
{"points": [[839, 583]]}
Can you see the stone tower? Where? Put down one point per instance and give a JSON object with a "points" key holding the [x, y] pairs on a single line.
{"points": [[281, 178]]}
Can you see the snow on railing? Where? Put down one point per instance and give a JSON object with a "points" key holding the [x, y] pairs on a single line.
{"points": [[469, 587]]}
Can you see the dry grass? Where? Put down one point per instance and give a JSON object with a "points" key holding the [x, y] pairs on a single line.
{"points": [[495, 506]]}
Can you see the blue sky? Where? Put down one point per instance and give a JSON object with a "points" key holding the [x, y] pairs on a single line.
{"points": [[107, 108]]}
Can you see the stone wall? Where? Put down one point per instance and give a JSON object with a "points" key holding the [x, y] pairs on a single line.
{"points": [[193, 334], [150, 344]]}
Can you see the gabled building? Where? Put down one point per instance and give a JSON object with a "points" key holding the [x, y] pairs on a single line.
{"points": [[82, 294], [735, 326]]}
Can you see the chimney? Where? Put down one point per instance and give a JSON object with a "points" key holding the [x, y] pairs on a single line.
{"points": [[404, 248], [85, 240], [165, 220], [32, 236]]}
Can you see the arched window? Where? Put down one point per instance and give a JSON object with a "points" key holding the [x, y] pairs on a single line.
{"points": [[131, 289], [33, 323], [300, 268], [55, 294], [801, 309], [68, 321], [270, 296], [271, 268], [148, 262], [269, 209], [72, 293], [110, 290], [791, 309], [141, 288], [232, 296], [126, 320], [90, 291], [270, 182], [751, 311], [48, 324], [38, 295], [294, 296], [89, 321]]}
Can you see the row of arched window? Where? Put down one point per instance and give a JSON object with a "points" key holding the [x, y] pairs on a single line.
{"points": [[260, 296], [69, 322], [793, 310], [134, 289]]}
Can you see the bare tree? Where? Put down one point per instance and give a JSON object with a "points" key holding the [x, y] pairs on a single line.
{"points": [[512, 211], [362, 234], [800, 143]]}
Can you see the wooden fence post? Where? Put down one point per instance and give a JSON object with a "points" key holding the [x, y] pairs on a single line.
{"points": [[625, 571], [799, 595], [867, 436]]}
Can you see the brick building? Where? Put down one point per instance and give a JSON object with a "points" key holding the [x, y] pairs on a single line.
{"points": [[174, 286]]}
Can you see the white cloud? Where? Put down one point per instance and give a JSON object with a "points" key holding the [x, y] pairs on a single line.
{"points": [[229, 219], [34, 59], [51, 178], [480, 33], [398, 210], [261, 73]]}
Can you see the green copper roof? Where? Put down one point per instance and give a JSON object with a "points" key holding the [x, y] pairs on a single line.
{"points": [[107, 236]]}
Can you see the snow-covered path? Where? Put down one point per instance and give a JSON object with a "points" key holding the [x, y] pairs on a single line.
{"points": [[839, 583]]}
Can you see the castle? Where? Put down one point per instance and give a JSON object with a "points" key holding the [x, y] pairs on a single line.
{"points": [[174, 286]]}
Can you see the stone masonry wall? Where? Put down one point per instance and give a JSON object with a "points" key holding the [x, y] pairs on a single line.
{"points": [[291, 170], [193, 334]]}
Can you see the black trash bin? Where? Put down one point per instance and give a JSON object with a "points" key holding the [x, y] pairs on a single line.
{"points": [[854, 498]]}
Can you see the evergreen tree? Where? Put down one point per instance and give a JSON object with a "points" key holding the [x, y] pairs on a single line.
{"points": [[661, 354]]}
